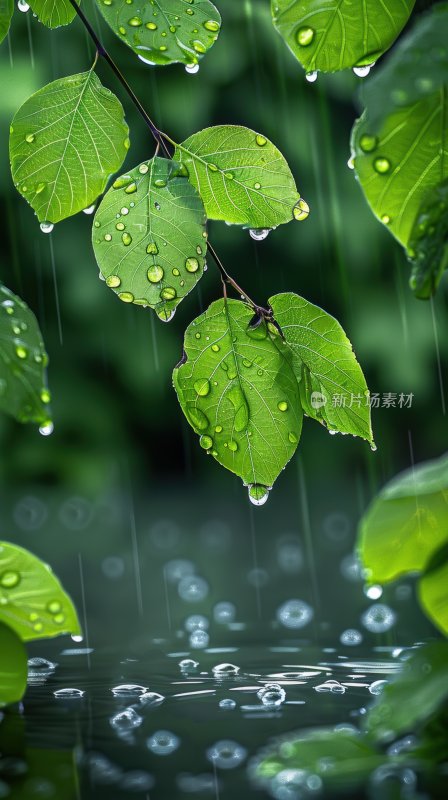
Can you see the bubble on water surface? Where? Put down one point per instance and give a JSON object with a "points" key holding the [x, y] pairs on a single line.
{"points": [[128, 690], [126, 720], [272, 694]]}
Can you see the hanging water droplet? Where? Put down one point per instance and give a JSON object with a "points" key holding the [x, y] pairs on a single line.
{"points": [[311, 76], [301, 210], [192, 69], [258, 494], [46, 227], [89, 209], [351, 162], [363, 71], [126, 297], [46, 429], [23, 6], [259, 233]]}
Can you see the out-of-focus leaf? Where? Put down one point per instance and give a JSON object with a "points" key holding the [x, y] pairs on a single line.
{"points": [[6, 12], [428, 243], [241, 177], [415, 68], [65, 142], [332, 36], [406, 523], [23, 385], [433, 590], [238, 390], [341, 759], [333, 389], [414, 696], [149, 236], [13, 666], [32, 601], [164, 31]]}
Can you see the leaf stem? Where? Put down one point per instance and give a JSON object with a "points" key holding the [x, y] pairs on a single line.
{"points": [[160, 138]]}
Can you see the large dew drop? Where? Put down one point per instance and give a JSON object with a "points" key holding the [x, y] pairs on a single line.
{"points": [[46, 227]]}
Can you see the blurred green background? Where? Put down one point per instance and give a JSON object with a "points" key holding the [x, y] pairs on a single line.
{"points": [[122, 462]]}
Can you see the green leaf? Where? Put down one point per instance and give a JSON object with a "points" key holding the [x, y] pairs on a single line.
{"points": [[428, 243], [400, 160], [149, 236], [53, 13], [45, 768], [332, 36], [333, 389], [414, 696], [406, 523], [237, 388], [32, 601], [6, 12], [241, 177], [65, 142], [342, 759], [23, 386], [416, 67], [433, 590], [164, 31], [13, 666]]}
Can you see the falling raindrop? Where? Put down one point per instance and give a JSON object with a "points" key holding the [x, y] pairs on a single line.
{"points": [[224, 612], [226, 754], [199, 639], [163, 743], [378, 618], [192, 588], [195, 622], [351, 637], [295, 614]]}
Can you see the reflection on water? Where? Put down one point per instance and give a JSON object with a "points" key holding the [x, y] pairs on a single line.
{"points": [[155, 722]]}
